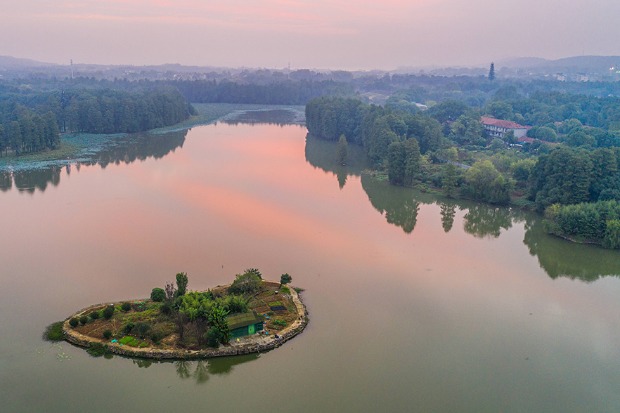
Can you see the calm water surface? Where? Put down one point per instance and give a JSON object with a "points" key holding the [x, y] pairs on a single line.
{"points": [[416, 303]]}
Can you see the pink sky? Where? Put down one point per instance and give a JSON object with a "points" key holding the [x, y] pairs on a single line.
{"points": [[337, 34]]}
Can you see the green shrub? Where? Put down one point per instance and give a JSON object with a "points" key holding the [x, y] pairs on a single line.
{"points": [[247, 283], [83, 319], [94, 315], [108, 312], [107, 334], [127, 328], [125, 307], [54, 332], [166, 309], [74, 322], [235, 304], [254, 271], [158, 294], [213, 337], [280, 323], [142, 329], [156, 336]]}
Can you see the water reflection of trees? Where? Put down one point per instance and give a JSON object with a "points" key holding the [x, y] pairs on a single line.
{"points": [[560, 258], [31, 180], [278, 117], [448, 211], [322, 154], [125, 150], [140, 148], [200, 370], [398, 205], [6, 181], [483, 220]]}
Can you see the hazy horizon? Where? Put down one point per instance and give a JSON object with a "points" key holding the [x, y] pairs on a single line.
{"points": [[337, 34]]}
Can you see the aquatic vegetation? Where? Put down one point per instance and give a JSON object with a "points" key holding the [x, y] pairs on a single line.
{"points": [[53, 332]]}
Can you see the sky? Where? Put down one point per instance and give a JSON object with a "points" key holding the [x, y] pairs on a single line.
{"points": [[315, 34]]}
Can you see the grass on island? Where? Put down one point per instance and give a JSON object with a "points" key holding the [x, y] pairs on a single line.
{"points": [[148, 323]]}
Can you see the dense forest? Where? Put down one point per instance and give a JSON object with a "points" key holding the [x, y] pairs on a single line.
{"points": [[574, 156], [277, 93], [31, 120]]}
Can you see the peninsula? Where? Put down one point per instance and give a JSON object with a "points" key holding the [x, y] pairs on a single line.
{"points": [[250, 315]]}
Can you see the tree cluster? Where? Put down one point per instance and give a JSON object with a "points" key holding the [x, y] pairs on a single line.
{"points": [[32, 120], [109, 111], [572, 175], [282, 92], [25, 131], [597, 222], [394, 140]]}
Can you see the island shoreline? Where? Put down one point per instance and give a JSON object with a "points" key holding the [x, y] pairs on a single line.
{"points": [[245, 345]]}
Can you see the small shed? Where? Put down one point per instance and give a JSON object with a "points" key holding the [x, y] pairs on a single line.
{"points": [[244, 324]]}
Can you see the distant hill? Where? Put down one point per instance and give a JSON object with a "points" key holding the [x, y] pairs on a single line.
{"points": [[585, 64], [9, 62]]}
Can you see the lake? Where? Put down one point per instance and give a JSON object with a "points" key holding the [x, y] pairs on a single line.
{"points": [[417, 303]]}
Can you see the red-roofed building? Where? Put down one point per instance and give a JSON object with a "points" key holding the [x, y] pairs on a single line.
{"points": [[525, 139], [497, 128]]}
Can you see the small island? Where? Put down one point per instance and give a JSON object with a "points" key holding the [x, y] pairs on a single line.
{"points": [[250, 315]]}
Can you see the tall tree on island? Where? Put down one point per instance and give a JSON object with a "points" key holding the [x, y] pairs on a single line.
{"points": [[492, 71], [181, 284], [285, 279]]}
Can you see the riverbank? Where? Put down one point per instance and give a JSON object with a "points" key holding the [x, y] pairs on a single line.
{"points": [[256, 343]]}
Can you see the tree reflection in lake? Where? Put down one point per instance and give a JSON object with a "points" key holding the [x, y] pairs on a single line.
{"points": [[484, 220], [561, 258], [279, 117], [124, 150], [202, 370], [400, 207], [31, 180], [201, 373], [341, 173], [323, 154], [182, 367], [142, 363], [448, 211], [397, 204], [6, 181]]}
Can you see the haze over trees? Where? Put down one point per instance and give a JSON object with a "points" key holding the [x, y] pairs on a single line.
{"points": [[571, 157]]}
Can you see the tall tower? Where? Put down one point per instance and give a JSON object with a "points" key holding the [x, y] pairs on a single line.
{"points": [[71, 68]]}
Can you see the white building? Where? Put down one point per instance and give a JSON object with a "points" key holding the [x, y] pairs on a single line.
{"points": [[497, 128]]}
